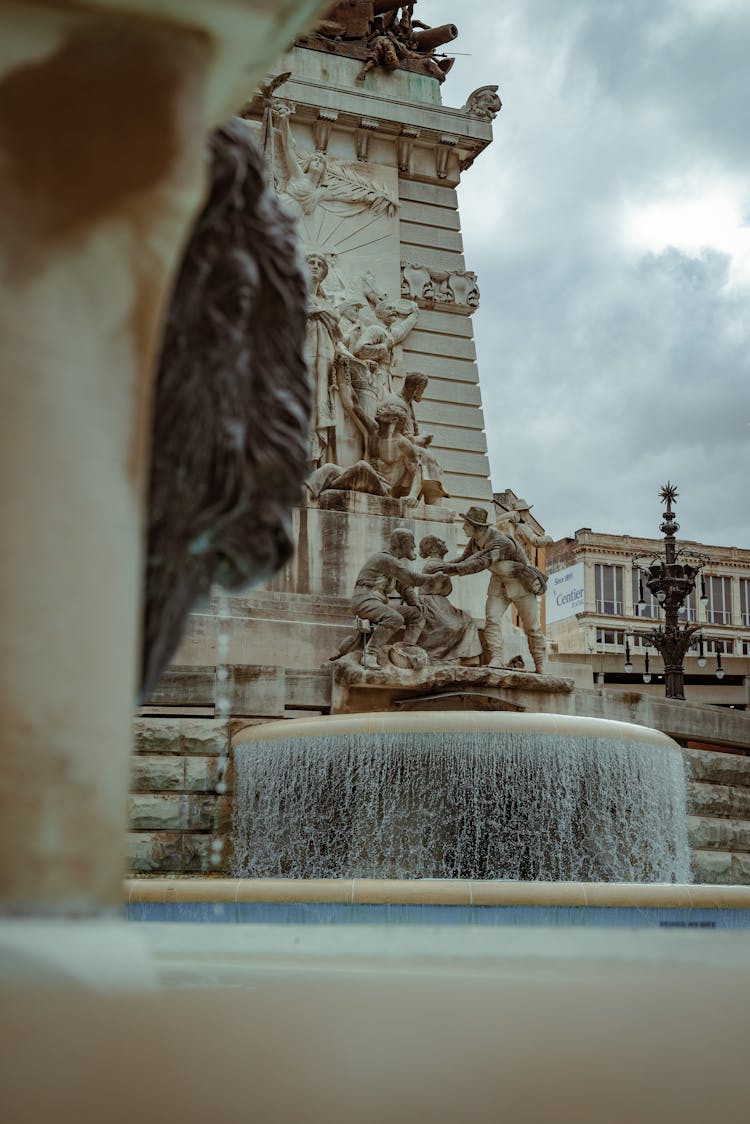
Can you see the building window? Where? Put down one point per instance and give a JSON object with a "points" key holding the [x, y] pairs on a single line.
{"points": [[746, 647], [608, 584], [689, 611], [610, 636], [651, 609], [726, 647], [719, 603], [640, 640], [745, 601]]}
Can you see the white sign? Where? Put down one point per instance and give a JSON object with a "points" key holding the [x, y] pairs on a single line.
{"points": [[565, 593]]}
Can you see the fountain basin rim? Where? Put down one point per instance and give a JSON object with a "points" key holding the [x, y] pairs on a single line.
{"points": [[437, 891], [451, 721]]}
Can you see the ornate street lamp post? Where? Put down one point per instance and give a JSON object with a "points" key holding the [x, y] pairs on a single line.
{"points": [[671, 582]]}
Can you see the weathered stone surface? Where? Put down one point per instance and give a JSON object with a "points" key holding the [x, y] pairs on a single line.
{"points": [[358, 688], [712, 867], [717, 767], [203, 736], [706, 834], [719, 800], [721, 868], [201, 774], [428, 193], [160, 772], [163, 851], [741, 870], [163, 772], [429, 214], [171, 812]]}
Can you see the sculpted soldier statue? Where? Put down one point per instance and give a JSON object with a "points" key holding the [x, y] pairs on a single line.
{"points": [[430, 470], [513, 581], [516, 523], [384, 574]]}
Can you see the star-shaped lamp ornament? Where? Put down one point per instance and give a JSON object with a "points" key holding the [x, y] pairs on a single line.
{"points": [[669, 493]]}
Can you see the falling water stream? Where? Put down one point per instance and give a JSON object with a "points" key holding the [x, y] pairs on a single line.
{"points": [[500, 804]]}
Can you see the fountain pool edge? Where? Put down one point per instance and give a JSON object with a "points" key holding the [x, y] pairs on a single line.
{"points": [[371, 891]]}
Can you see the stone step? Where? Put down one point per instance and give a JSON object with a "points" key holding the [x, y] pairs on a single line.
{"points": [[157, 852], [706, 834], [198, 736], [721, 868], [717, 767], [719, 800], [164, 772], [166, 811]]}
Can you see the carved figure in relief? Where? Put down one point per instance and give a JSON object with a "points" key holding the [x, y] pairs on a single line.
{"points": [[307, 181], [516, 523], [383, 49], [383, 575], [391, 467], [322, 343], [513, 581], [398, 318], [430, 470], [449, 633], [483, 102]]}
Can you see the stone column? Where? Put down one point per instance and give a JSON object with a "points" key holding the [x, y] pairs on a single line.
{"points": [[104, 108]]}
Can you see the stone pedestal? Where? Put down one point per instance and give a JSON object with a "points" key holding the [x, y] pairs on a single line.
{"points": [[442, 687]]}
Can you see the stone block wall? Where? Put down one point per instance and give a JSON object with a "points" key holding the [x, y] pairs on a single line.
{"points": [[175, 813], [719, 816]]}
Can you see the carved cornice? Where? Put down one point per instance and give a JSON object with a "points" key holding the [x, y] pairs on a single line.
{"points": [[444, 290], [369, 115]]}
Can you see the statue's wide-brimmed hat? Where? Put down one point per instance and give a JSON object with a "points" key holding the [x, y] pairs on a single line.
{"points": [[477, 516], [522, 505]]}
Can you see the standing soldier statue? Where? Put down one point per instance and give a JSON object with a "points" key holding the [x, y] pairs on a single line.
{"points": [[513, 580]]}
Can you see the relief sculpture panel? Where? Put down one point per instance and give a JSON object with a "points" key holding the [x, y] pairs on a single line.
{"points": [[365, 435]]}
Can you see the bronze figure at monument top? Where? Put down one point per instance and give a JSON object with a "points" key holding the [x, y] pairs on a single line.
{"points": [[383, 34]]}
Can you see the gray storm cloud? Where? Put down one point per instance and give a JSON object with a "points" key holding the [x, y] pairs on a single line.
{"points": [[611, 359]]}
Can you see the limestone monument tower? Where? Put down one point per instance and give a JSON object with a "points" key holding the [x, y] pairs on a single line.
{"points": [[363, 152], [360, 148]]}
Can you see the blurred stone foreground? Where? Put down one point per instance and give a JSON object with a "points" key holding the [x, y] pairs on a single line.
{"points": [[104, 107]]}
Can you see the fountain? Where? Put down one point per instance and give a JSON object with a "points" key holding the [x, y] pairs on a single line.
{"points": [[459, 795]]}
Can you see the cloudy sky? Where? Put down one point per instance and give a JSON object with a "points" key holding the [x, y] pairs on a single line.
{"points": [[609, 224]]}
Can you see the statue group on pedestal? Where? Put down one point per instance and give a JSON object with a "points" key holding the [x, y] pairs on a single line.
{"points": [[390, 35], [424, 626]]}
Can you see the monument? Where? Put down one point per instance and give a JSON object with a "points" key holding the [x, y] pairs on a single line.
{"points": [[388, 598], [367, 158]]}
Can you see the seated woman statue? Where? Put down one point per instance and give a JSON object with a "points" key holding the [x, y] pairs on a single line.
{"points": [[449, 633]]}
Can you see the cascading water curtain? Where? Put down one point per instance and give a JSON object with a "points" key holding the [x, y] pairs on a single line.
{"points": [[529, 806]]}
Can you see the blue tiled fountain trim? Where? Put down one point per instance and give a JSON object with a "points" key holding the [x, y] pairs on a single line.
{"points": [[343, 913]]}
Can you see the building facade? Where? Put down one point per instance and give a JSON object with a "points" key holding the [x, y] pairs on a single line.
{"points": [[596, 604]]}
